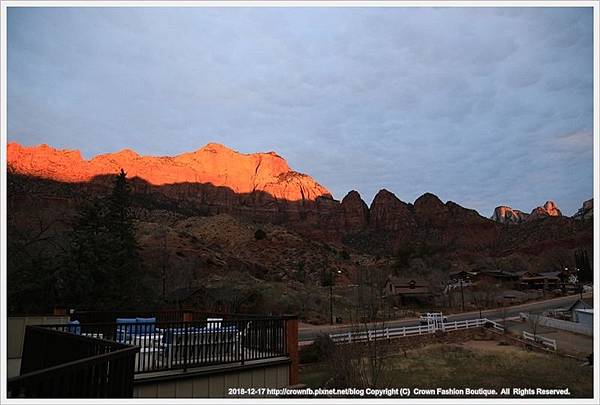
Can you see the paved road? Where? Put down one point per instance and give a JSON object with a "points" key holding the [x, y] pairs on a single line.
{"points": [[307, 333]]}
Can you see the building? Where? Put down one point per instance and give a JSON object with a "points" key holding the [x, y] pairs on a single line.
{"points": [[584, 317], [147, 357], [496, 277], [545, 280], [406, 291], [582, 311]]}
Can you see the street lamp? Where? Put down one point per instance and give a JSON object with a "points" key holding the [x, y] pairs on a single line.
{"points": [[331, 280]]}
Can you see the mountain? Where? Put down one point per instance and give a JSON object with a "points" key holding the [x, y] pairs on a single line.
{"points": [[212, 164], [586, 211], [549, 209], [197, 215], [261, 187], [508, 215]]}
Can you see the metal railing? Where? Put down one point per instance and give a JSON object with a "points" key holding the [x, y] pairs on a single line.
{"points": [[161, 315], [391, 333], [58, 364], [183, 345]]}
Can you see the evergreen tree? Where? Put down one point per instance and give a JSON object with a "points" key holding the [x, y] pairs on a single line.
{"points": [[105, 253], [582, 262]]}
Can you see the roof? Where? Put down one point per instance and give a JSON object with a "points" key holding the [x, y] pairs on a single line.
{"points": [[499, 273], [457, 272], [397, 281], [586, 311], [583, 303], [412, 291], [550, 274]]}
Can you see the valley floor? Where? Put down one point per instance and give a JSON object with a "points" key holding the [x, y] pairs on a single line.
{"points": [[488, 364]]}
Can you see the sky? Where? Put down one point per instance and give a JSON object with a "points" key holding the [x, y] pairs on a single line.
{"points": [[480, 106]]}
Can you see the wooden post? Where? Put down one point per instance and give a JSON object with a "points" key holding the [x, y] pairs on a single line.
{"points": [[60, 311], [291, 339]]}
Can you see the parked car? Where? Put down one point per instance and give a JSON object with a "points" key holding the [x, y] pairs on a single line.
{"points": [[432, 317]]}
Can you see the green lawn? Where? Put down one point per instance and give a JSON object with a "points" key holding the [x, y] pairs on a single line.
{"points": [[475, 365]]}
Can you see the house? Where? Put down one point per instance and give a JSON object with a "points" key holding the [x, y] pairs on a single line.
{"points": [[496, 276], [580, 311], [459, 279], [407, 290], [544, 280]]}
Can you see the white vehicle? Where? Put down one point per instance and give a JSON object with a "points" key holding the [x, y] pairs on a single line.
{"points": [[432, 317]]}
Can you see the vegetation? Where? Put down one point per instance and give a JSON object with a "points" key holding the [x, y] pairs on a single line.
{"points": [[260, 234], [453, 366], [95, 264], [582, 262]]}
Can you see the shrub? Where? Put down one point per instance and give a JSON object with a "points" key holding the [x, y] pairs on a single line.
{"points": [[319, 350]]}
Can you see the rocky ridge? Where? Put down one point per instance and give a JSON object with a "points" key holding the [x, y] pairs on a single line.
{"points": [[212, 164]]}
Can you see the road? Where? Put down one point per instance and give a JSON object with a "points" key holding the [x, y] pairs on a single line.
{"points": [[307, 333]]}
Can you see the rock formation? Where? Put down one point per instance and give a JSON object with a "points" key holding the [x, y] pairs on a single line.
{"points": [[212, 164], [586, 211], [355, 213], [508, 215], [549, 209], [388, 213]]}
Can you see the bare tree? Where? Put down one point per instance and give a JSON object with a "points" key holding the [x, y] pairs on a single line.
{"points": [[533, 321]]}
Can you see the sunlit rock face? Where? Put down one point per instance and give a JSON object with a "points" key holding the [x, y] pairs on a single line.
{"points": [[549, 209], [508, 215], [586, 211], [212, 164]]}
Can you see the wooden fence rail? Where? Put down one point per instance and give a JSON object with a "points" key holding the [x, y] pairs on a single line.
{"points": [[391, 333]]}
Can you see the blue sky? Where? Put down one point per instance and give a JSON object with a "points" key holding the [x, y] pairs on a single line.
{"points": [[481, 106]]}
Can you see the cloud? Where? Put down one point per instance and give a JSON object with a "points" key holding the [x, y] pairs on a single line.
{"points": [[481, 106]]}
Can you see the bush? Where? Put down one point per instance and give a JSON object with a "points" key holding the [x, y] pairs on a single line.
{"points": [[318, 350], [260, 234]]}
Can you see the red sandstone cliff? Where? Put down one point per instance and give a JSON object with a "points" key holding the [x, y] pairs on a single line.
{"points": [[213, 163]]}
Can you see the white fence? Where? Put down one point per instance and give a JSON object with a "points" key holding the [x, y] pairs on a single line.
{"points": [[540, 339], [563, 325], [391, 333]]}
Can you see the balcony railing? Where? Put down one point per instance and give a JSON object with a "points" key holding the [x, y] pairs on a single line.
{"points": [[57, 364], [182, 345], [161, 315]]}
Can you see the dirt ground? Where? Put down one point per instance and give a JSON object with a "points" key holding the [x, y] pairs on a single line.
{"points": [[571, 343]]}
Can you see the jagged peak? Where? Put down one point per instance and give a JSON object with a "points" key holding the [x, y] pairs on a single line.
{"points": [[352, 195], [384, 195]]}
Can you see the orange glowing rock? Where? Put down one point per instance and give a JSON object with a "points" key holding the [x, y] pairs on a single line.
{"points": [[213, 163]]}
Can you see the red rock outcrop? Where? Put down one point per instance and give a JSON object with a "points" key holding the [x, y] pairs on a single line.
{"points": [[214, 164], [354, 212], [548, 210], [388, 213], [431, 210], [508, 215], [586, 211]]}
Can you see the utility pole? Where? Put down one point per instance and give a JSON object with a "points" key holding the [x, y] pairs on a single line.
{"points": [[331, 281], [462, 295], [331, 298]]}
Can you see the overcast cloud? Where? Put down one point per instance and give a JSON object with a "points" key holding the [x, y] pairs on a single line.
{"points": [[479, 106]]}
